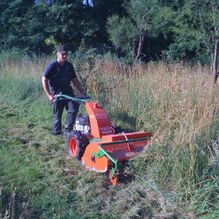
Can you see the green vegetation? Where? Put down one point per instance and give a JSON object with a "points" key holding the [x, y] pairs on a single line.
{"points": [[143, 30], [139, 30], [176, 177]]}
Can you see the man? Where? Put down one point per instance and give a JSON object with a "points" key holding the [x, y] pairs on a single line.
{"points": [[56, 79]]}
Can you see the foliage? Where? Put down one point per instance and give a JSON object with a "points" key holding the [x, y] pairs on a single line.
{"points": [[138, 30], [122, 33], [40, 25], [195, 31], [144, 19]]}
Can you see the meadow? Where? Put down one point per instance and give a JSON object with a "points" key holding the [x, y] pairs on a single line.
{"points": [[176, 177]]}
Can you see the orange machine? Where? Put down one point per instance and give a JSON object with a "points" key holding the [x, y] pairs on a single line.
{"points": [[95, 142]]}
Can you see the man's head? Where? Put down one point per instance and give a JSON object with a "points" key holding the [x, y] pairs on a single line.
{"points": [[62, 53]]}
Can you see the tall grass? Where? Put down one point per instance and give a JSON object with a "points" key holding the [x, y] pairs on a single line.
{"points": [[178, 103]]}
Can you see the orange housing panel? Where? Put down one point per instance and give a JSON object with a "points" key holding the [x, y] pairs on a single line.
{"points": [[99, 122], [126, 136], [125, 151]]}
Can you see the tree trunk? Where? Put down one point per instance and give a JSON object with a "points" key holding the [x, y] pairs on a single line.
{"points": [[140, 46], [214, 61]]}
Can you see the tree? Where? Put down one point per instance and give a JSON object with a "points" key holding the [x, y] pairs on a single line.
{"points": [[38, 25], [196, 32], [208, 11], [13, 22], [122, 33], [143, 19]]}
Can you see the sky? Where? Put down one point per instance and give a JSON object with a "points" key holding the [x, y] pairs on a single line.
{"points": [[85, 2], [88, 2]]}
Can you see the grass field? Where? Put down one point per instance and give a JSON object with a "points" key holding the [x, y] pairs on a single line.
{"points": [[176, 177]]}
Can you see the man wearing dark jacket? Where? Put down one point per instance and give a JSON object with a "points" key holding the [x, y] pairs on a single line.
{"points": [[57, 78]]}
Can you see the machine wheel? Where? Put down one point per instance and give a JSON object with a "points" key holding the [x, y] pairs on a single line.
{"points": [[75, 145]]}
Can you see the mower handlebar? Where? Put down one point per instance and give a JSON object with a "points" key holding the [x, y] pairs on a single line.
{"points": [[79, 99]]}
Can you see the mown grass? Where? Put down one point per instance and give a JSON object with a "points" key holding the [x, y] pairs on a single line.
{"points": [[177, 176]]}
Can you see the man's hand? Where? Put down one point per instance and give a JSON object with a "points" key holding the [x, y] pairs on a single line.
{"points": [[51, 98]]}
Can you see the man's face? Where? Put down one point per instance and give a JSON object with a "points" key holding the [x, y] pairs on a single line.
{"points": [[62, 56]]}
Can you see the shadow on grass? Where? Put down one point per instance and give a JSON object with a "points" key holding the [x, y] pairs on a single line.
{"points": [[129, 122]]}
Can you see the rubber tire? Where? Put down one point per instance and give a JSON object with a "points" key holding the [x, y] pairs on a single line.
{"points": [[74, 147]]}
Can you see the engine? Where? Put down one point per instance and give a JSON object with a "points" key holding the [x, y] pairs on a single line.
{"points": [[82, 124]]}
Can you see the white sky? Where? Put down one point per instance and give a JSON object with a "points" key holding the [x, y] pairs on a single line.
{"points": [[89, 2]]}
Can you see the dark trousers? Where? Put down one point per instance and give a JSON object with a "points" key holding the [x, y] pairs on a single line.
{"points": [[72, 110]]}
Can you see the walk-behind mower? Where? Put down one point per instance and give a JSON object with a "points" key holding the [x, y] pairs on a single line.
{"points": [[96, 144]]}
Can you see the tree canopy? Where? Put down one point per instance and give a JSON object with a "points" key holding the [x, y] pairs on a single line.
{"points": [[136, 29], [38, 25]]}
